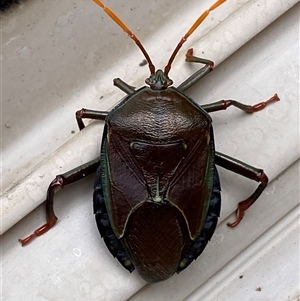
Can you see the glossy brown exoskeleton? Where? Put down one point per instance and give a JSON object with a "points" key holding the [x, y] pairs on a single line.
{"points": [[157, 191]]}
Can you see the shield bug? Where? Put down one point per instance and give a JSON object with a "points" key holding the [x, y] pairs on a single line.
{"points": [[157, 191]]}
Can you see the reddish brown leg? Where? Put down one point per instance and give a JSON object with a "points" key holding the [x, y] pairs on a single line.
{"points": [[58, 183], [224, 104], [249, 172]]}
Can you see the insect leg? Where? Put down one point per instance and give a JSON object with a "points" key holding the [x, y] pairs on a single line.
{"points": [[86, 113], [247, 171], [58, 183], [100, 115], [209, 66], [224, 104], [123, 86]]}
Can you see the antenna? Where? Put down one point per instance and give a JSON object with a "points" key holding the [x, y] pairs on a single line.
{"points": [[128, 31], [190, 31], [202, 17]]}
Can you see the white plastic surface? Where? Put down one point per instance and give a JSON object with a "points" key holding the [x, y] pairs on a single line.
{"points": [[65, 59]]}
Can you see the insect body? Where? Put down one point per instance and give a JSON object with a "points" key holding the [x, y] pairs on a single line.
{"points": [[157, 190]]}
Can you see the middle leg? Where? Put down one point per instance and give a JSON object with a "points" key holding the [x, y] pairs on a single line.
{"points": [[224, 104], [92, 114]]}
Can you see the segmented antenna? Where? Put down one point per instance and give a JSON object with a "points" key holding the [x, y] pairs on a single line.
{"points": [[202, 17], [128, 31], [190, 31]]}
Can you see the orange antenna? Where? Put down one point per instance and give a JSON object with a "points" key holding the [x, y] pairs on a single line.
{"points": [[128, 31], [190, 31]]}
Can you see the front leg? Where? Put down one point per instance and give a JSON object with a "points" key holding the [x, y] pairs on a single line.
{"points": [[193, 79], [249, 172]]}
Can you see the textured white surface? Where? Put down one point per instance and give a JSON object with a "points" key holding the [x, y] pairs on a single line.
{"points": [[71, 261]]}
